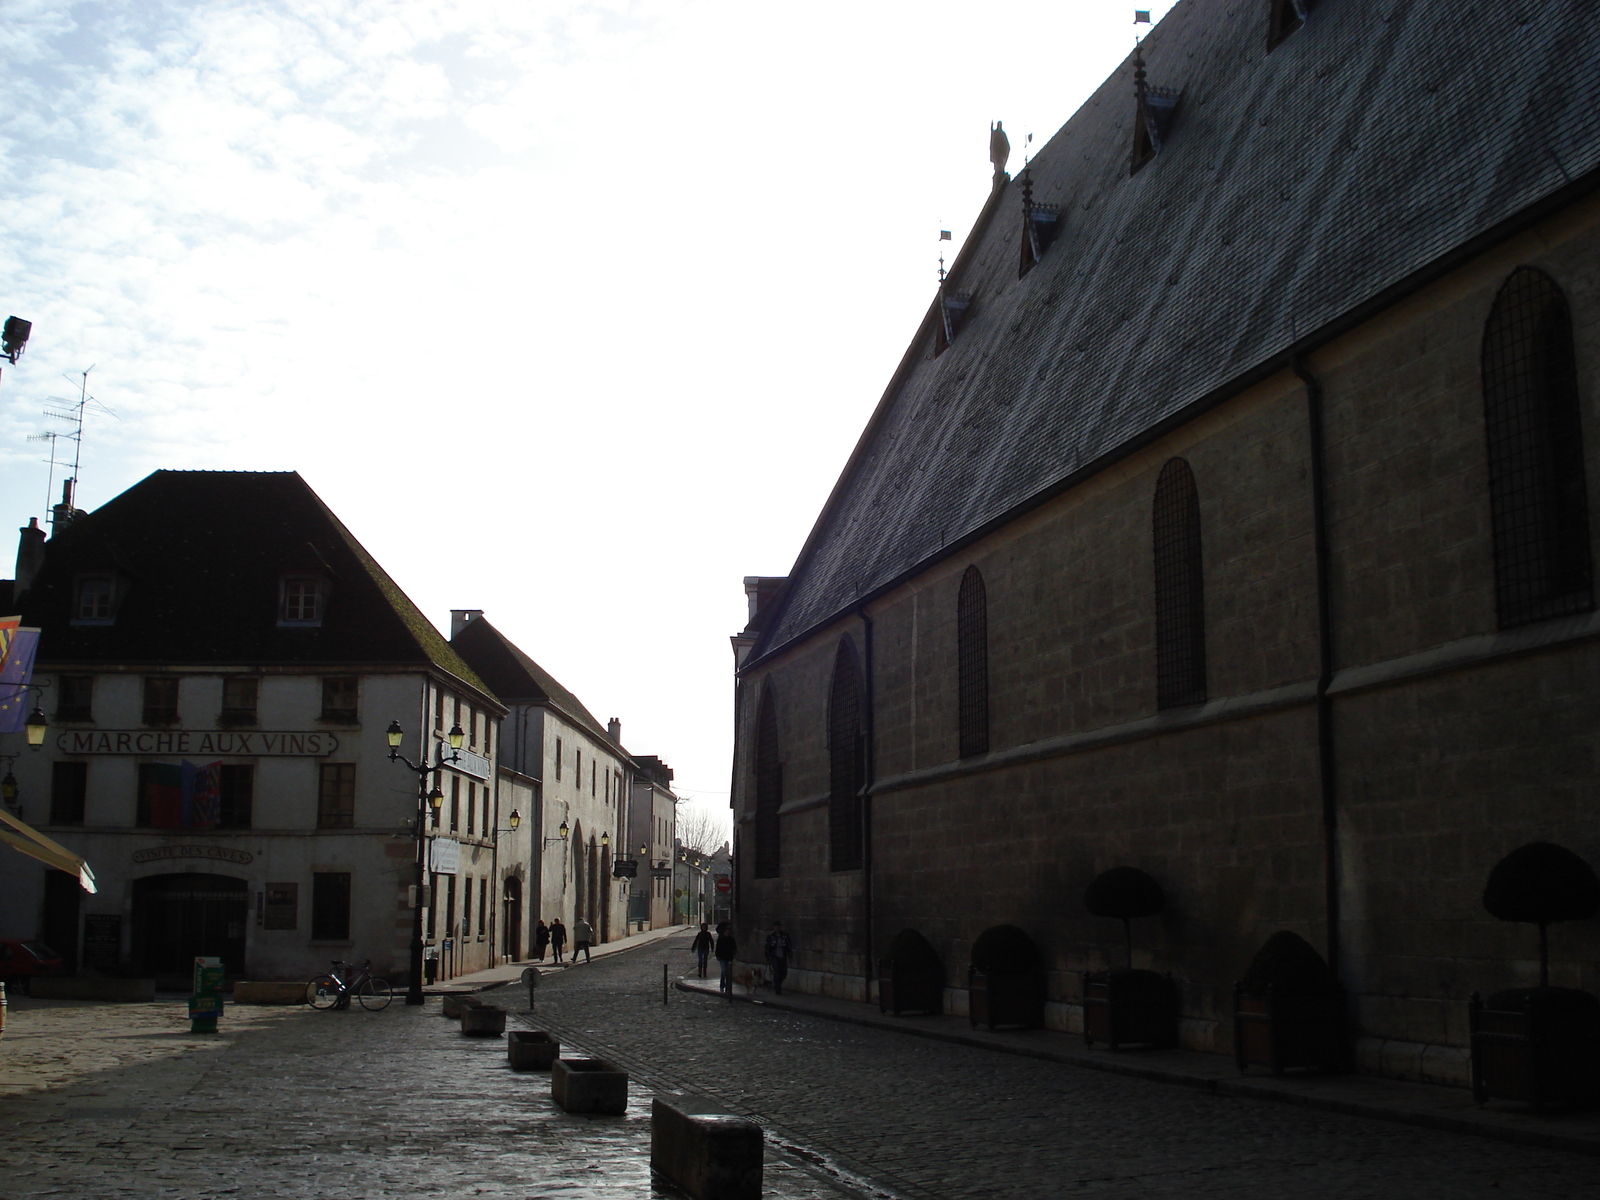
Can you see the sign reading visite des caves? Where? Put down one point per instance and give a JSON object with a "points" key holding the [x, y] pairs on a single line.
{"points": [[314, 743]]}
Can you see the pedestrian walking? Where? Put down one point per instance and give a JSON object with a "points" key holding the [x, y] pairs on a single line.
{"points": [[727, 949], [777, 950], [541, 939], [703, 941], [582, 939], [558, 938]]}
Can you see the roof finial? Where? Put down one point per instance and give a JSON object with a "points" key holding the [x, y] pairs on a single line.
{"points": [[999, 150], [944, 236]]}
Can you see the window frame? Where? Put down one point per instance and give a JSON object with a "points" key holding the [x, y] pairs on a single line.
{"points": [[332, 684], [167, 714], [291, 601], [1178, 558], [111, 596], [336, 795], [66, 709]]}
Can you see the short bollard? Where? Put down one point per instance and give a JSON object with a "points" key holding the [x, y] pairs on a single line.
{"points": [[530, 976], [483, 1020], [589, 1085], [531, 1051], [709, 1153]]}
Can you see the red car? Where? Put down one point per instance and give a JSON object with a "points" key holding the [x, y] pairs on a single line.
{"points": [[21, 960]]}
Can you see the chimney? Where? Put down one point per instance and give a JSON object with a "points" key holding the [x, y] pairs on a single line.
{"points": [[30, 556], [614, 730], [460, 618], [759, 589], [62, 514]]}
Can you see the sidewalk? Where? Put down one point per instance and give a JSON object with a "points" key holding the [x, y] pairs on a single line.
{"points": [[482, 981], [1421, 1104]]}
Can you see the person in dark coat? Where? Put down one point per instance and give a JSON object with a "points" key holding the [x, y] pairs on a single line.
{"points": [[777, 952], [703, 941], [558, 938], [541, 939], [727, 951]]}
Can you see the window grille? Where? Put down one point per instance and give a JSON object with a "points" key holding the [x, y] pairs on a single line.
{"points": [[1180, 590], [69, 789], [972, 664], [1537, 498], [336, 796], [330, 906], [769, 791], [846, 761]]}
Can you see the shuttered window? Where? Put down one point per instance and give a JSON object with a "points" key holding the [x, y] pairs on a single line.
{"points": [[1180, 590], [1537, 496], [972, 664], [769, 790], [846, 762]]}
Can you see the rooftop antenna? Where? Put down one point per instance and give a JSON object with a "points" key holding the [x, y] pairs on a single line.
{"points": [[50, 478], [74, 415]]}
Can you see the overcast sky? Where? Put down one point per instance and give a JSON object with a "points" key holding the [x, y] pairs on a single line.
{"points": [[571, 311]]}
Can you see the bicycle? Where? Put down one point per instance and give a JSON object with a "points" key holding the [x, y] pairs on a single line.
{"points": [[334, 991]]}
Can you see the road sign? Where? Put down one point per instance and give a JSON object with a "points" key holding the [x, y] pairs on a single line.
{"points": [[724, 884], [530, 976]]}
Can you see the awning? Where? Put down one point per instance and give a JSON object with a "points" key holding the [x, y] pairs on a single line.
{"points": [[26, 840]]}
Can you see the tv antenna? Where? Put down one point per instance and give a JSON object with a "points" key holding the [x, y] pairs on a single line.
{"points": [[73, 413]]}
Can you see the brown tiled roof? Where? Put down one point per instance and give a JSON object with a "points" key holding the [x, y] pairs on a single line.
{"points": [[200, 555], [1296, 192]]}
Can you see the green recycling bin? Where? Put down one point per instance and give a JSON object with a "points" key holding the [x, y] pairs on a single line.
{"points": [[205, 1005]]}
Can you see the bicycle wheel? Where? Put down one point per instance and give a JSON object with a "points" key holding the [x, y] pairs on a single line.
{"points": [[323, 992], [374, 994]]}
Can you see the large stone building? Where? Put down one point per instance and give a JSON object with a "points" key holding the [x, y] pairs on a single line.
{"points": [[1226, 518], [221, 659]]}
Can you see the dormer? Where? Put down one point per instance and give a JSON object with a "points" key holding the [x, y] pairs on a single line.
{"points": [[1153, 115], [1284, 17], [302, 600], [1040, 224], [96, 596], [952, 311]]}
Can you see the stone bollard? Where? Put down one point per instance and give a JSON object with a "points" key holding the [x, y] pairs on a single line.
{"points": [[455, 1005], [531, 1051], [589, 1085], [709, 1153], [483, 1020]]}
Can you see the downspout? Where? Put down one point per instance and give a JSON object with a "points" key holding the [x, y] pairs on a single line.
{"points": [[866, 798], [1325, 658]]}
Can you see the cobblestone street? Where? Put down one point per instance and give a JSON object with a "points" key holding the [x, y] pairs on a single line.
{"points": [[118, 1100]]}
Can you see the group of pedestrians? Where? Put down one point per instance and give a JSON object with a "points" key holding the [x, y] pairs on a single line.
{"points": [[725, 947], [554, 938]]}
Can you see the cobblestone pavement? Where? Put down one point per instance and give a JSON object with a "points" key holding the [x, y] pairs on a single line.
{"points": [[926, 1119], [120, 1101]]}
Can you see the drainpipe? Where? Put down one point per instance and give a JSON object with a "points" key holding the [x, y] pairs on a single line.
{"points": [[1325, 658], [866, 796]]}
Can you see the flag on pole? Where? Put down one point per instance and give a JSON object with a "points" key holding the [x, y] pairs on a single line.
{"points": [[16, 671], [202, 795], [944, 235]]}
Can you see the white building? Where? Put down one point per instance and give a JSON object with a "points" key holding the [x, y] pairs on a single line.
{"points": [[652, 833], [221, 660]]}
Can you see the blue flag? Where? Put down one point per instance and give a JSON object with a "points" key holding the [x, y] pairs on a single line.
{"points": [[15, 671]]}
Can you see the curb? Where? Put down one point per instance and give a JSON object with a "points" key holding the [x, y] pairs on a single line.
{"points": [[1242, 1086]]}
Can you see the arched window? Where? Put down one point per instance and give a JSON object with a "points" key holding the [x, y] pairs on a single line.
{"points": [[769, 790], [1180, 590], [972, 664], [846, 761], [1537, 500]]}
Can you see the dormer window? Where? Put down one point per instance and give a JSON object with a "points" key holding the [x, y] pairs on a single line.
{"points": [[303, 597], [1284, 17], [95, 603], [952, 311], [1152, 116], [1040, 223]]}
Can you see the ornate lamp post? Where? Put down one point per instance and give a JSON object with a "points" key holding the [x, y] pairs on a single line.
{"points": [[426, 799]]}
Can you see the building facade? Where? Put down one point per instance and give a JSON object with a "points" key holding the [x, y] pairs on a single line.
{"points": [[220, 660], [1231, 517], [572, 771], [652, 832]]}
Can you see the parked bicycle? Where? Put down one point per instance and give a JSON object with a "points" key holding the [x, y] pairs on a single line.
{"points": [[335, 990]]}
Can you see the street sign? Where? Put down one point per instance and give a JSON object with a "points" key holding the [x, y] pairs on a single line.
{"points": [[724, 884], [530, 976], [444, 856], [625, 868]]}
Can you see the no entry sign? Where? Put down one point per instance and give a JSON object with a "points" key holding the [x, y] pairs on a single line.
{"points": [[724, 884]]}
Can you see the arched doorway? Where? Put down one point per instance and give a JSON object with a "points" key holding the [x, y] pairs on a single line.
{"points": [[594, 884], [580, 876], [178, 918], [603, 933], [512, 923]]}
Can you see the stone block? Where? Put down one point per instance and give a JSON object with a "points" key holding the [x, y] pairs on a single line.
{"points": [[454, 1005], [66, 987], [709, 1153], [265, 992], [531, 1050], [483, 1020], [589, 1085]]}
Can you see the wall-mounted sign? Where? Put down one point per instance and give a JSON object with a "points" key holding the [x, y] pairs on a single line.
{"points": [[472, 764], [444, 856], [625, 868], [102, 941], [215, 853], [314, 743]]}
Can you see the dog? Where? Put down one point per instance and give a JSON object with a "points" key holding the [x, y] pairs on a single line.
{"points": [[751, 977]]}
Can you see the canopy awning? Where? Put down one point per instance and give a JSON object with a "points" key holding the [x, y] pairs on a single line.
{"points": [[26, 840]]}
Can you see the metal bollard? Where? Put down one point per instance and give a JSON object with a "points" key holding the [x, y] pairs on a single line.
{"points": [[530, 976]]}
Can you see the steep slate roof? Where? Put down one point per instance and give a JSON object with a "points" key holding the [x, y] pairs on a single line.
{"points": [[1296, 191], [516, 678], [201, 554]]}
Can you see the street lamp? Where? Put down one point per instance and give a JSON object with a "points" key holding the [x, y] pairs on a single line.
{"points": [[563, 831], [36, 727], [427, 798]]}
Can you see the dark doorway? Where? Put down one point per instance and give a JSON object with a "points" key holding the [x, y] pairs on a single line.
{"points": [[59, 930], [513, 921], [177, 918]]}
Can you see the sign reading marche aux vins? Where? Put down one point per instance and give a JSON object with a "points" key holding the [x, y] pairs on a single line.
{"points": [[314, 743]]}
